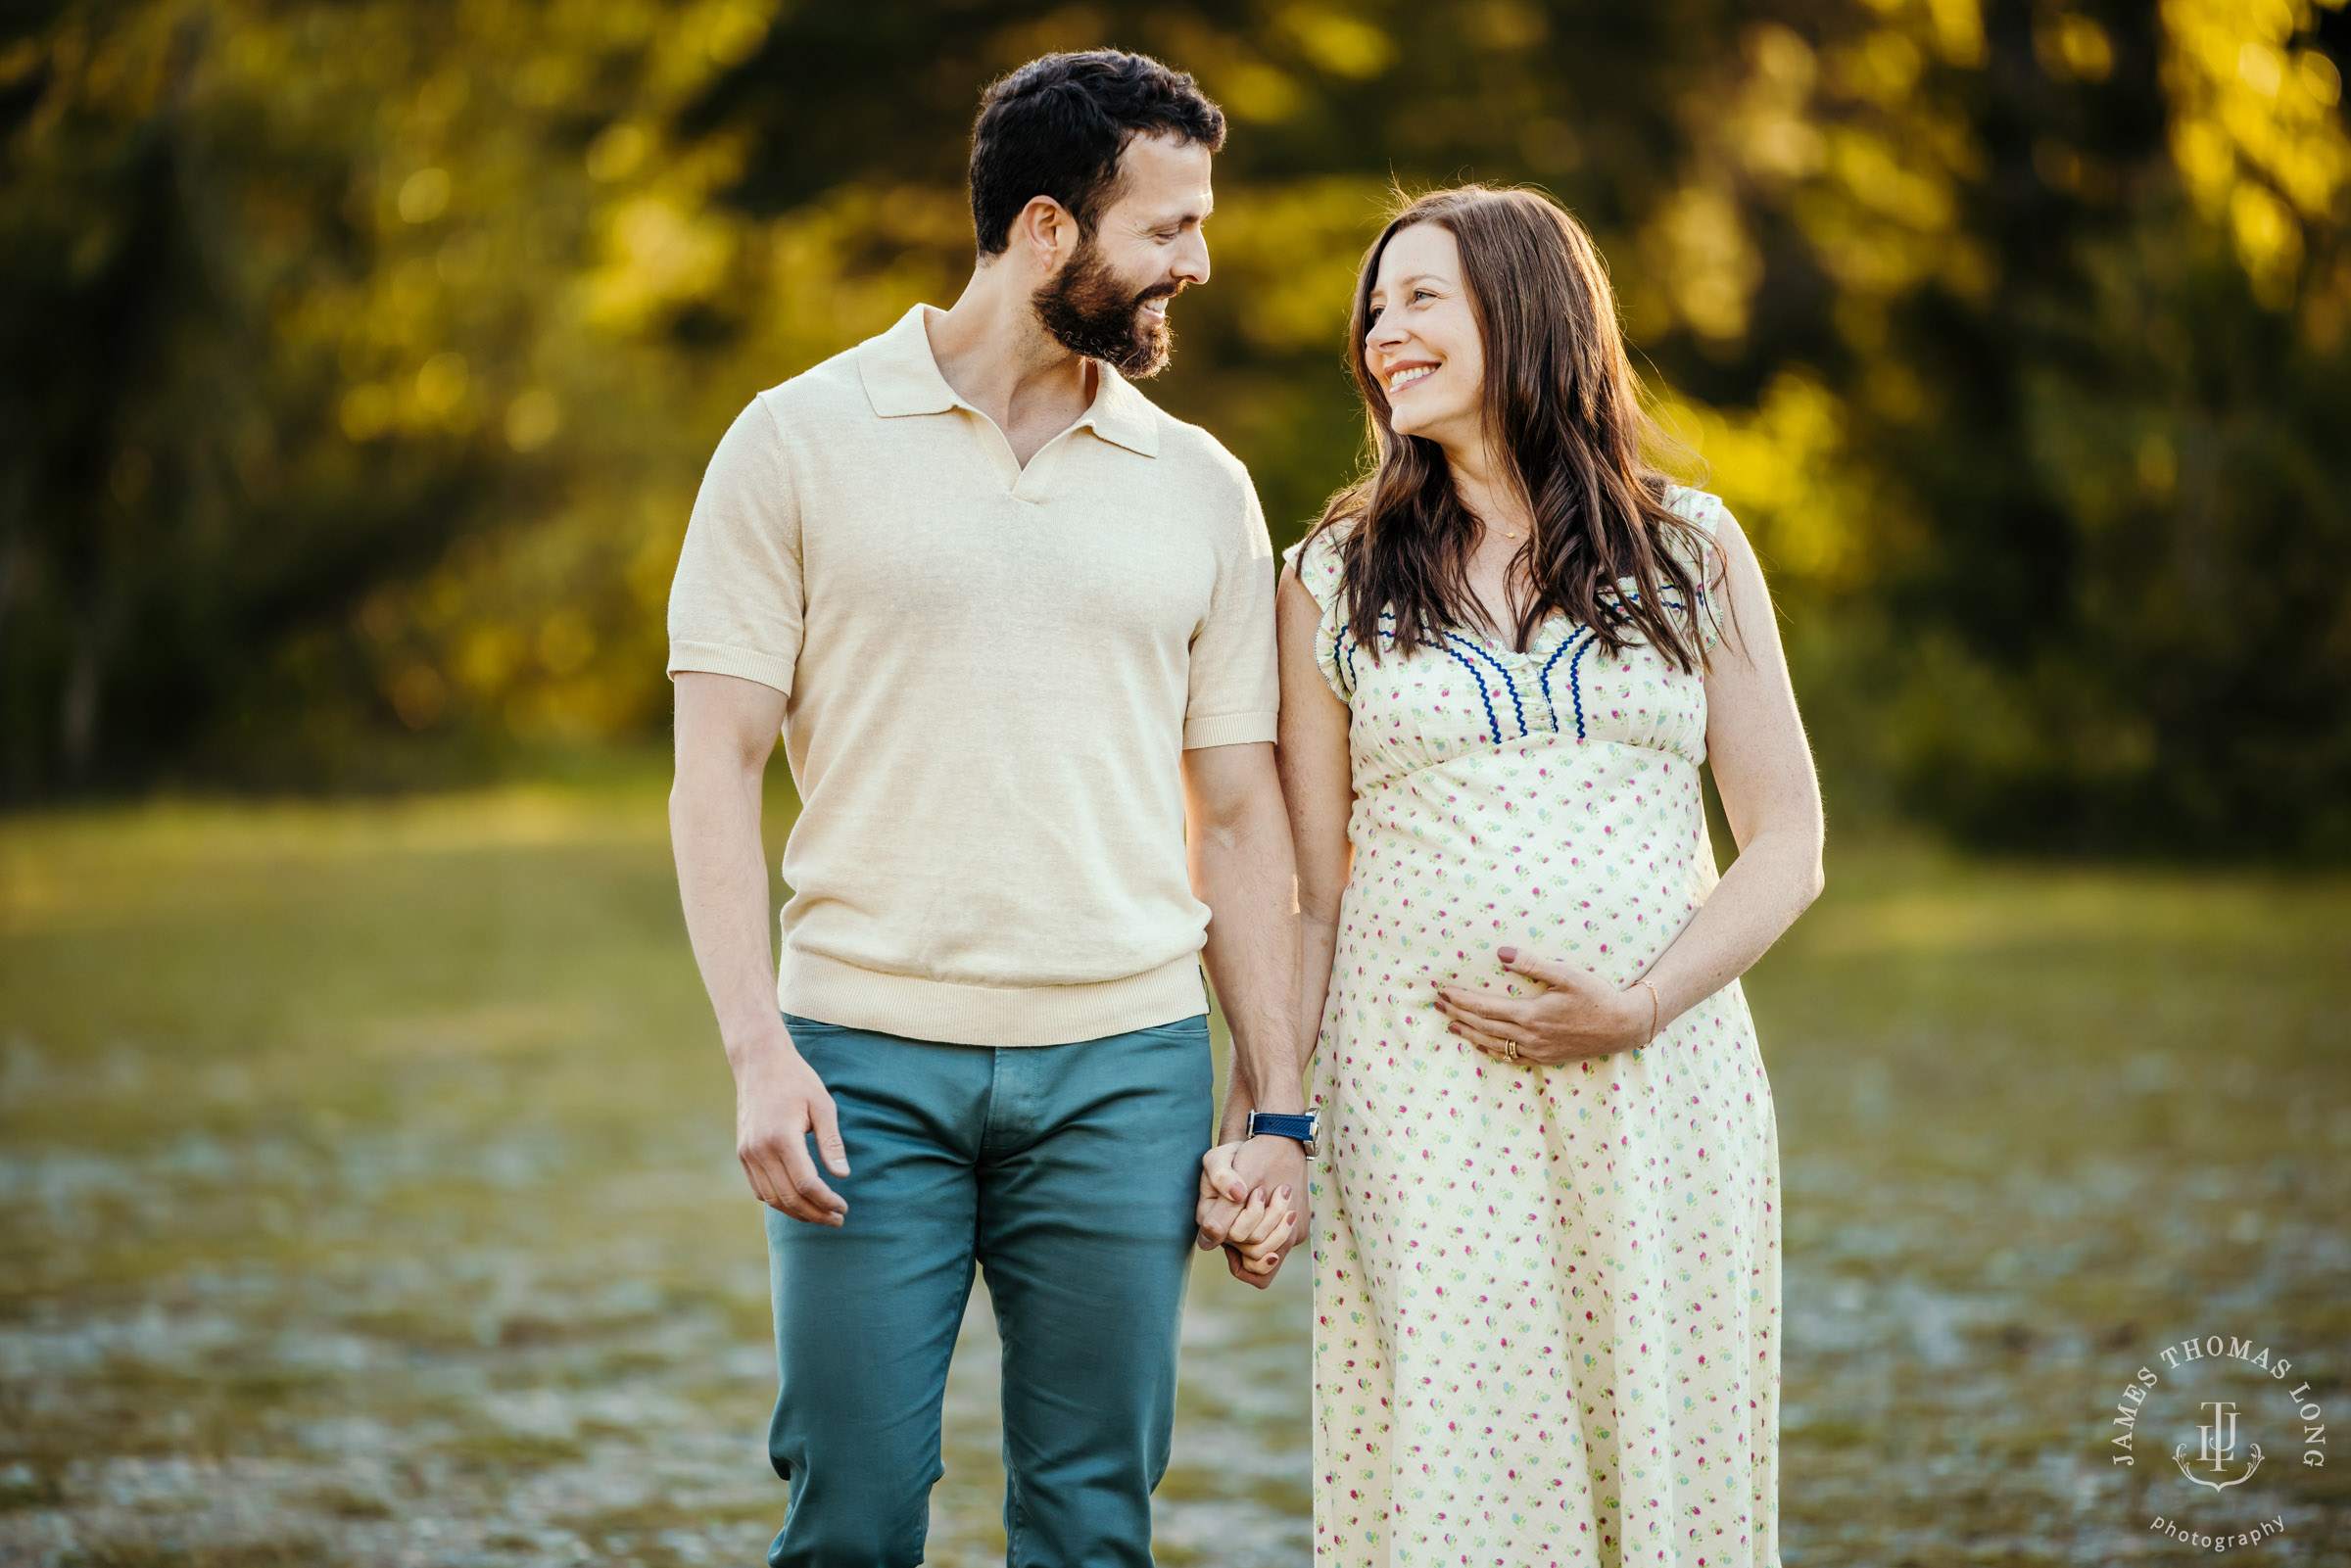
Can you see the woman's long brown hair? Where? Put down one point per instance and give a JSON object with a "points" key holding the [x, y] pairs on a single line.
{"points": [[1562, 408]]}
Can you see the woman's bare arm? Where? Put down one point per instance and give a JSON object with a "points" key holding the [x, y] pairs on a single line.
{"points": [[1317, 785], [1763, 770]]}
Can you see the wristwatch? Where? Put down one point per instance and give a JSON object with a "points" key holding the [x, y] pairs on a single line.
{"points": [[1302, 1125]]}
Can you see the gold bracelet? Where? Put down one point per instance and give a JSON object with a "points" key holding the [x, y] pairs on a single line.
{"points": [[1655, 1004]]}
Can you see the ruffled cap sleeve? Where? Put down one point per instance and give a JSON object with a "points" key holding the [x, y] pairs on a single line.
{"points": [[1315, 560], [1706, 512]]}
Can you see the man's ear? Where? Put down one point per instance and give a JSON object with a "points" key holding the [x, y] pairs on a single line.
{"points": [[1050, 230]]}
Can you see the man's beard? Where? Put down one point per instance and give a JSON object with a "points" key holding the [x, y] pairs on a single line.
{"points": [[1090, 312]]}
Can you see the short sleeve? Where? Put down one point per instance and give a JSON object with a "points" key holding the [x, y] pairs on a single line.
{"points": [[736, 603], [1320, 572], [1706, 513], [1234, 692]]}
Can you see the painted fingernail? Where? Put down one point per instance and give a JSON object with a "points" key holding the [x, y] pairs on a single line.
{"points": [[1506, 954], [1284, 1194]]}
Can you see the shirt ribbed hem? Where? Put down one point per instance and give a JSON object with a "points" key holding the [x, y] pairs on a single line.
{"points": [[1229, 730], [748, 664], [830, 991]]}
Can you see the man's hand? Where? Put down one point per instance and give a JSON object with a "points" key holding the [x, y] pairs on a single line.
{"points": [[779, 1100], [1232, 1173]]}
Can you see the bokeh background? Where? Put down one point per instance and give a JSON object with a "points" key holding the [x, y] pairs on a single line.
{"points": [[363, 1184]]}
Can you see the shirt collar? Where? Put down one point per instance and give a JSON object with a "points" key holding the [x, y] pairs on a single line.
{"points": [[901, 379], [1121, 414]]}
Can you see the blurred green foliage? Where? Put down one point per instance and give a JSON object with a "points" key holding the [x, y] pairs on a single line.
{"points": [[357, 360]]}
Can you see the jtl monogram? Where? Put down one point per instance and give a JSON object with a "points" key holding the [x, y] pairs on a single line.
{"points": [[2220, 1447]]}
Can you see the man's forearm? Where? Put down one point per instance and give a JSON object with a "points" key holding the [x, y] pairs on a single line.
{"points": [[1252, 956], [722, 884], [1318, 944]]}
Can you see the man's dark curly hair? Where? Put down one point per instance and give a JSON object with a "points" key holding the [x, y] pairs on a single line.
{"points": [[1057, 126]]}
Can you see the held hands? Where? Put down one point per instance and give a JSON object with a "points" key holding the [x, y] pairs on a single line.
{"points": [[1263, 1231], [779, 1100], [1576, 1014], [1248, 1204]]}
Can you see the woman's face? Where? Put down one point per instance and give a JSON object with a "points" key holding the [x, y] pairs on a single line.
{"points": [[1422, 341]]}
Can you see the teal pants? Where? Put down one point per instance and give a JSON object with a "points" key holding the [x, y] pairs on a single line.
{"points": [[1068, 1173]]}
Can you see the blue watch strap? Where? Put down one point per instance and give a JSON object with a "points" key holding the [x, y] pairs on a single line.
{"points": [[1300, 1125]]}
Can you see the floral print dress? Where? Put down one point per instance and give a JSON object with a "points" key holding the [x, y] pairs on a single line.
{"points": [[1546, 1298]]}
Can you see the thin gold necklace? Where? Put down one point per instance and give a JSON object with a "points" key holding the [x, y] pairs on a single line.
{"points": [[1504, 532]]}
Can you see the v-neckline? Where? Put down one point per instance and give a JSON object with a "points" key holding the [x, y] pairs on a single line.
{"points": [[1536, 649]]}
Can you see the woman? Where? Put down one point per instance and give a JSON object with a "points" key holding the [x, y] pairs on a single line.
{"points": [[1547, 1273]]}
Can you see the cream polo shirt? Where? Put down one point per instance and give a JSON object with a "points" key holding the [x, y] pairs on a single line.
{"points": [[992, 673]]}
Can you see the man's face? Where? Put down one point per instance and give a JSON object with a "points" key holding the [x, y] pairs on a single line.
{"points": [[1109, 302]]}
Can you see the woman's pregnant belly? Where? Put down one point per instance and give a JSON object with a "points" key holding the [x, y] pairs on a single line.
{"points": [[1589, 854]]}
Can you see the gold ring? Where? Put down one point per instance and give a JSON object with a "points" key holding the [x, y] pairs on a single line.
{"points": [[1509, 1048]]}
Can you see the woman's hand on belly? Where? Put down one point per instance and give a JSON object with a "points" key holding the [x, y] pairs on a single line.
{"points": [[1576, 1016]]}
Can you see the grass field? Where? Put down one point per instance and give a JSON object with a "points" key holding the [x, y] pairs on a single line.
{"points": [[366, 1197]]}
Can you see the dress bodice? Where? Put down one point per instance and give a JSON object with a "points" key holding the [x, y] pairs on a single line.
{"points": [[1466, 693]]}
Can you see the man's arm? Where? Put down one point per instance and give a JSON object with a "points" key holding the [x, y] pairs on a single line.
{"points": [[726, 728], [1242, 868]]}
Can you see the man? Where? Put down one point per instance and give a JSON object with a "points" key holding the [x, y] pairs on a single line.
{"points": [[1016, 626]]}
